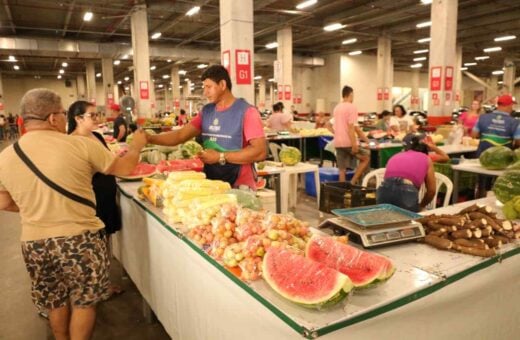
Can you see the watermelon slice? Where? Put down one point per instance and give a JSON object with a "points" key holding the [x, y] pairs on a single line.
{"points": [[260, 183], [363, 268], [140, 171], [303, 281]]}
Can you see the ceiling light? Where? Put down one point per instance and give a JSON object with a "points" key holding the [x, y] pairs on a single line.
{"points": [[419, 59], [59, 76], [119, 82], [98, 75], [306, 4], [463, 68], [470, 64], [424, 24], [165, 76], [355, 53], [271, 80], [161, 86], [127, 88], [505, 37], [493, 49], [64, 64], [497, 73], [180, 86], [153, 67], [62, 71], [88, 16], [11, 59], [271, 45], [500, 82], [125, 56], [183, 72], [484, 57], [424, 40], [169, 88], [193, 10], [126, 78], [187, 79], [420, 51], [156, 35], [349, 41], [16, 67], [202, 66], [257, 77], [117, 62], [333, 27], [418, 65], [169, 61], [426, 2]]}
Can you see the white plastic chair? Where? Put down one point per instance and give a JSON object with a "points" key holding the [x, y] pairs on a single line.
{"points": [[275, 150], [379, 175], [440, 180]]}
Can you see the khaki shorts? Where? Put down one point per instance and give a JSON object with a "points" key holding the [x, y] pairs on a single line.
{"points": [[68, 270], [345, 158]]}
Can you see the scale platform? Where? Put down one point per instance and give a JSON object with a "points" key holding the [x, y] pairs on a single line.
{"points": [[376, 225]]}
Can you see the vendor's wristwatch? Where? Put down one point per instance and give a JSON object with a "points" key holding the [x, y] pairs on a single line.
{"points": [[222, 159]]}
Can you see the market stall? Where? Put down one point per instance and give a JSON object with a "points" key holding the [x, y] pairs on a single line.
{"points": [[194, 297]]}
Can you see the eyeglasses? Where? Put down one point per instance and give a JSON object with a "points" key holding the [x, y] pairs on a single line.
{"points": [[92, 115]]}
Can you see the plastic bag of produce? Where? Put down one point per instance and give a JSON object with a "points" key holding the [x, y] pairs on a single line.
{"points": [[249, 222], [246, 199], [287, 223]]}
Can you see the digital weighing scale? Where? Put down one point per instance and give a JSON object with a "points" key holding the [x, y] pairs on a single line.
{"points": [[376, 225]]}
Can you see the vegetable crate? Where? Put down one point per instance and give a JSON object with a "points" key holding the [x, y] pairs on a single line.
{"points": [[337, 195], [467, 180]]}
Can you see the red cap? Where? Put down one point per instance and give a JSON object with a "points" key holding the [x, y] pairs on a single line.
{"points": [[115, 107], [506, 100]]}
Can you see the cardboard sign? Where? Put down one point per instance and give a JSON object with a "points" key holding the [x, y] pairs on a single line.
{"points": [[379, 93], [280, 92], [448, 78], [435, 78], [144, 92], [387, 93], [226, 61], [243, 67], [287, 92]]}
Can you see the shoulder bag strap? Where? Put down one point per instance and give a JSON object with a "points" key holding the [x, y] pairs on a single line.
{"points": [[50, 183]]}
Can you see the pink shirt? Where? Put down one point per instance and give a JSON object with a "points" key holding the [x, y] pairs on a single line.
{"points": [[278, 120], [411, 165], [468, 121], [344, 113], [252, 129]]}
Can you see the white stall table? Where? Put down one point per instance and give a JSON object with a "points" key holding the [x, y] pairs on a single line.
{"points": [[469, 165]]}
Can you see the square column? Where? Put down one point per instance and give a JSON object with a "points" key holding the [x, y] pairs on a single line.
{"points": [[176, 91], [107, 70], [415, 100], [144, 88], [261, 95], [385, 71], [284, 56], [458, 99], [509, 75], [91, 82]]}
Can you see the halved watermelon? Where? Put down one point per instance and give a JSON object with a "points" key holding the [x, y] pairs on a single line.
{"points": [[363, 268], [303, 281], [260, 183]]}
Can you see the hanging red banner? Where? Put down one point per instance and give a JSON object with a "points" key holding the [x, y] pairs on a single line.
{"points": [[448, 78], [387, 93], [280, 92], [435, 78], [243, 67], [435, 96], [144, 92], [287, 92], [226, 61], [379, 93]]}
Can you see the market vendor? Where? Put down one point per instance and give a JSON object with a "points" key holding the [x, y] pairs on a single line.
{"points": [[231, 131], [407, 171]]}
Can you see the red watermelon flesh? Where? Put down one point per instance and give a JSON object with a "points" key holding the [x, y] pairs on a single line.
{"points": [[143, 169], [362, 267], [303, 281]]}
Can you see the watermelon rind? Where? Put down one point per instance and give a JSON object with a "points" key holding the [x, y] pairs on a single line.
{"points": [[337, 293], [497, 158], [507, 185]]}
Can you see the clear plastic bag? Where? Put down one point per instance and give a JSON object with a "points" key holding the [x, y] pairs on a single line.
{"points": [[287, 223], [249, 222]]}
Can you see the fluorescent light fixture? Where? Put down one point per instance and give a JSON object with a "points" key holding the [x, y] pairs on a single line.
{"points": [[193, 10], [156, 35], [62, 71], [183, 72], [424, 40], [418, 65], [493, 49], [500, 82], [11, 59], [119, 82], [127, 78], [349, 41], [127, 88], [426, 2], [257, 77], [98, 75], [463, 68], [169, 88], [16, 67], [420, 51], [64, 64], [125, 56], [497, 72], [153, 67], [333, 27], [117, 62], [484, 57], [424, 24], [187, 79], [470, 64], [161, 86], [165, 76], [355, 53], [271, 80], [273, 44], [419, 59], [59, 76], [88, 16], [505, 38], [201, 66], [306, 4], [169, 61], [180, 86]]}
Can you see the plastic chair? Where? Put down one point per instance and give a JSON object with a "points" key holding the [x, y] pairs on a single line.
{"points": [[275, 150], [440, 180], [379, 175]]}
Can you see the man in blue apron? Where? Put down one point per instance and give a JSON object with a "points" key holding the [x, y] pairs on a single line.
{"points": [[230, 129]]}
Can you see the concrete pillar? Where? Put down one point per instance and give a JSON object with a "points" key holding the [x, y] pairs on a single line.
{"points": [[509, 75], [91, 82], [80, 86], [176, 91], [271, 96], [415, 103], [261, 95], [2, 100], [107, 70], [384, 73], [116, 93], [143, 86], [285, 56], [236, 38], [491, 91], [187, 89], [443, 32], [458, 93]]}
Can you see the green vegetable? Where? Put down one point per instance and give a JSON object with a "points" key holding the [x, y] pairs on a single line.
{"points": [[509, 211], [260, 165], [497, 158], [516, 203], [514, 166], [517, 154], [507, 186], [190, 149], [290, 155]]}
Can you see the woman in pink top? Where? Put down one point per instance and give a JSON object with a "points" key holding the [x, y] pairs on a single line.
{"points": [[469, 118], [279, 120], [406, 172]]}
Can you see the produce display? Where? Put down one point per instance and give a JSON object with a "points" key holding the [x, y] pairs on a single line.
{"points": [[190, 149], [140, 171], [497, 158], [507, 185], [315, 132], [475, 230], [290, 155], [511, 208]]}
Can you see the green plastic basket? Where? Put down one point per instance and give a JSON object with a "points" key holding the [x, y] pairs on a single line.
{"points": [[467, 180]]}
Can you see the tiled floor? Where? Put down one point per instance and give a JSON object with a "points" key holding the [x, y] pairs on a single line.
{"points": [[119, 318]]}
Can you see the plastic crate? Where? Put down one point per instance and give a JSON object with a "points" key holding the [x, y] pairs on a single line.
{"points": [[327, 174], [467, 180], [337, 195]]}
